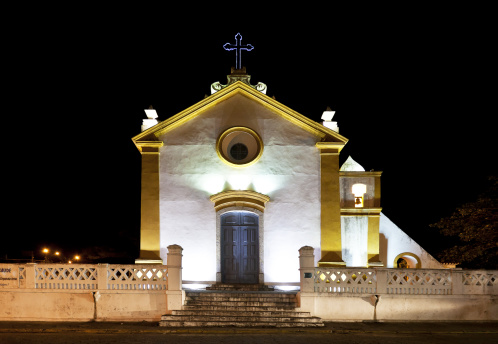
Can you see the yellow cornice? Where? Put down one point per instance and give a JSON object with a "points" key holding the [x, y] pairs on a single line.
{"points": [[324, 133], [360, 173], [149, 147], [360, 211], [244, 198], [330, 147]]}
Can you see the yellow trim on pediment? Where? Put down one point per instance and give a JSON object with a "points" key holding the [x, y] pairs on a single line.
{"points": [[239, 198], [324, 133]]}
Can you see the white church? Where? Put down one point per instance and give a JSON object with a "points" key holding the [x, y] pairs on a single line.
{"points": [[241, 182]]}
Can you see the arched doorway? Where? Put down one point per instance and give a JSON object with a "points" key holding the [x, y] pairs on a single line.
{"points": [[239, 247]]}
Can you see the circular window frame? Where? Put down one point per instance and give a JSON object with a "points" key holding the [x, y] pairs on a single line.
{"points": [[226, 157]]}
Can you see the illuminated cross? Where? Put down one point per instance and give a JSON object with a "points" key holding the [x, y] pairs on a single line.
{"points": [[238, 47]]}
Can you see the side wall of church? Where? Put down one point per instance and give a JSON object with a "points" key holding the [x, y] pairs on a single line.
{"points": [[393, 242], [288, 172]]}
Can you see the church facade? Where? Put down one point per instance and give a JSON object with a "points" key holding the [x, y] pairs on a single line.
{"points": [[241, 182]]}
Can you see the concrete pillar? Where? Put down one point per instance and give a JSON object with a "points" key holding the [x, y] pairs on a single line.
{"points": [[175, 295], [330, 219], [174, 262], [307, 268], [306, 296]]}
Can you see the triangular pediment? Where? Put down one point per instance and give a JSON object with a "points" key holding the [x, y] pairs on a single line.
{"points": [[239, 88]]}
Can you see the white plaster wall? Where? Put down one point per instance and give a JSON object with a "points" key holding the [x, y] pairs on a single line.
{"points": [[394, 241], [354, 237], [288, 172]]}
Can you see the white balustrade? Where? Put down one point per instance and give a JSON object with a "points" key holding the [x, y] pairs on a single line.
{"points": [[404, 281], [418, 281], [90, 276], [137, 277], [345, 280], [479, 282]]}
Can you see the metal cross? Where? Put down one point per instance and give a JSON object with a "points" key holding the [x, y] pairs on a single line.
{"points": [[238, 47]]}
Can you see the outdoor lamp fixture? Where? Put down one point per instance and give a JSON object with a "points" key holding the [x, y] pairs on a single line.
{"points": [[358, 191]]}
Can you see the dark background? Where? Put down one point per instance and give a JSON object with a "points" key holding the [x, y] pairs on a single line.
{"points": [[411, 92]]}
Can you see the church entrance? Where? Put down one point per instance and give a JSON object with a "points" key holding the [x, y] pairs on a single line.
{"points": [[239, 247]]}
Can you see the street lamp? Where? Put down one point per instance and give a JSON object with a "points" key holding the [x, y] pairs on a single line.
{"points": [[45, 251]]}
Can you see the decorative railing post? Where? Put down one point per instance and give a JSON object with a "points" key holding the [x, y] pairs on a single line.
{"points": [[381, 277], [175, 295], [307, 269], [30, 276], [456, 282], [102, 276]]}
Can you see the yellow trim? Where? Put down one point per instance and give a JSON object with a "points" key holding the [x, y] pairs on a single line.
{"points": [[251, 132], [324, 133], [358, 174], [243, 198], [330, 147], [360, 211], [330, 211], [409, 254], [149, 147]]}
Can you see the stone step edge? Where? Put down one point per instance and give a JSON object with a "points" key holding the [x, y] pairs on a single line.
{"points": [[231, 292], [242, 298], [240, 308], [239, 303], [234, 324], [235, 312], [240, 318]]}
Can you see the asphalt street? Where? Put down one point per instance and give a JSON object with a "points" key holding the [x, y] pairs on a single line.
{"points": [[333, 332]]}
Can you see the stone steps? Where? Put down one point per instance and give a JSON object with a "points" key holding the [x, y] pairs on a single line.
{"points": [[238, 318], [227, 303], [239, 306], [241, 287], [237, 324], [232, 313]]}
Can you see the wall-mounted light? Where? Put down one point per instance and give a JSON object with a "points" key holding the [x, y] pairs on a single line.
{"points": [[359, 191]]}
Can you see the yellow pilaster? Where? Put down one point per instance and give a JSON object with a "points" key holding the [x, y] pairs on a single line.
{"points": [[330, 220], [373, 227], [373, 240], [149, 222]]}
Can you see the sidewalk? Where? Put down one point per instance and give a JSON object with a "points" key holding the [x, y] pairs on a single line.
{"points": [[330, 327]]}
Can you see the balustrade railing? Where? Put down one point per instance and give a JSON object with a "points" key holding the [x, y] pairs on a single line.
{"points": [[137, 277], [65, 276], [354, 281], [402, 281], [87, 276], [418, 281]]}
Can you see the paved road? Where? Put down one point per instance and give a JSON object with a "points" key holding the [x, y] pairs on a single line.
{"points": [[337, 333]]}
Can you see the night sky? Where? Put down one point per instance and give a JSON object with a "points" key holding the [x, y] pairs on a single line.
{"points": [[408, 94]]}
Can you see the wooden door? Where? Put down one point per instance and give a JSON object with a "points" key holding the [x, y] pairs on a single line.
{"points": [[239, 247]]}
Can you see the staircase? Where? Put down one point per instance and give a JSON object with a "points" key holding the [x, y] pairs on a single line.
{"points": [[239, 305]]}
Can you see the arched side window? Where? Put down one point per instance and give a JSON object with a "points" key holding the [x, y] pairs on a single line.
{"points": [[407, 260]]}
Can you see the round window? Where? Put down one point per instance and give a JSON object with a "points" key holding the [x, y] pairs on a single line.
{"points": [[238, 151], [239, 146]]}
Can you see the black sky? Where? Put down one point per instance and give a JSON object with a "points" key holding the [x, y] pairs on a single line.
{"points": [[409, 93]]}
